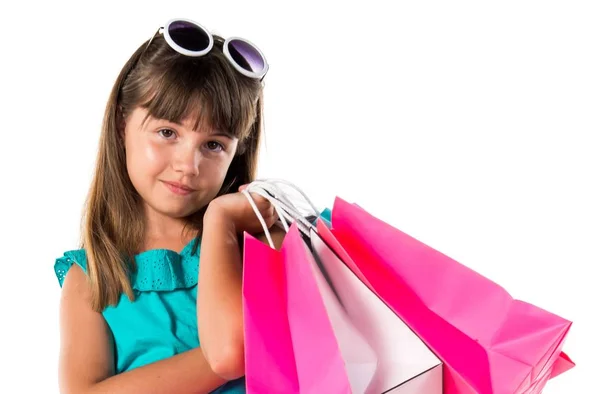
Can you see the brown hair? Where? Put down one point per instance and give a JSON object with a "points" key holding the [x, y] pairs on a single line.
{"points": [[169, 86]]}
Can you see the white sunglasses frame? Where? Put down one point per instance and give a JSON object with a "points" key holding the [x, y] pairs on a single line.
{"points": [[250, 74]]}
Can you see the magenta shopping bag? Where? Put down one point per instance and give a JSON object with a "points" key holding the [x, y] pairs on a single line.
{"points": [[487, 341], [269, 355], [290, 346]]}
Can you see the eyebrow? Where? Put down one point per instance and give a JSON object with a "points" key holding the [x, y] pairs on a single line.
{"points": [[217, 133], [221, 134]]}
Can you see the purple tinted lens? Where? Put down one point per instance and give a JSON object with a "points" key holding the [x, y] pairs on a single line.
{"points": [[246, 56], [188, 36]]}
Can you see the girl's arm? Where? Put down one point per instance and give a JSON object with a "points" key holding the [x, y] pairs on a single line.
{"points": [[86, 363], [220, 311]]}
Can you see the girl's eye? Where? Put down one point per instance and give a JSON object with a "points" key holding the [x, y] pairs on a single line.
{"points": [[215, 146], [166, 133]]}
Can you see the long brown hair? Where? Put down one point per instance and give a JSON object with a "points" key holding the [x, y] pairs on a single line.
{"points": [[169, 86]]}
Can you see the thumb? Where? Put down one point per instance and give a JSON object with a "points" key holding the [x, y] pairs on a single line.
{"points": [[242, 187]]}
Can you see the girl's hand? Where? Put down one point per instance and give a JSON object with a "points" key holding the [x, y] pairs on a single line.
{"points": [[236, 208]]}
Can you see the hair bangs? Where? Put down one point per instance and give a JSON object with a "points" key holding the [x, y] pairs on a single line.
{"points": [[194, 89]]}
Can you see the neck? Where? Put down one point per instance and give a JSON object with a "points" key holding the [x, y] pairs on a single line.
{"points": [[164, 228]]}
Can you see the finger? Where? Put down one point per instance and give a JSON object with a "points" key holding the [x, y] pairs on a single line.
{"points": [[267, 215], [271, 220], [262, 203], [257, 197], [242, 187]]}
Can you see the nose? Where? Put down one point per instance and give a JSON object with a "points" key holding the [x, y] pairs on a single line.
{"points": [[187, 160]]}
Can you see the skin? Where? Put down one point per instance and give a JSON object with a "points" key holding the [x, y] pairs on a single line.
{"points": [[158, 153]]}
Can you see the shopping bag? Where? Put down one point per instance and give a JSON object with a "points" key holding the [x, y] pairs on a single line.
{"points": [[403, 363], [379, 352], [290, 346], [331, 355], [269, 355], [488, 342]]}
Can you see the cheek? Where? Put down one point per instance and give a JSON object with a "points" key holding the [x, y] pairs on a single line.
{"points": [[213, 172], [145, 158], [154, 156]]}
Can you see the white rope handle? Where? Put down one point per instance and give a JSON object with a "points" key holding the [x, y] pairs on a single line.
{"points": [[262, 220], [290, 184], [287, 211], [286, 203], [280, 212], [273, 190], [286, 214], [279, 199], [273, 186]]}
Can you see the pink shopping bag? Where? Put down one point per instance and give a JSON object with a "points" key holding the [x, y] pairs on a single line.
{"points": [[488, 342], [290, 346], [269, 355]]}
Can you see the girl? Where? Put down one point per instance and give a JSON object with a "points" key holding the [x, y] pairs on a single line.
{"points": [[142, 309]]}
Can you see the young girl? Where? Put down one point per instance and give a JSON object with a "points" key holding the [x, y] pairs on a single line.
{"points": [[152, 302]]}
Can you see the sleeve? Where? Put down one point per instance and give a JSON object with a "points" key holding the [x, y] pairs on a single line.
{"points": [[62, 264], [325, 216]]}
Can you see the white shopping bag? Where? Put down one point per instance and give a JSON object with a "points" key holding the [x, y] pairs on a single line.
{"points": [[402, 363]]}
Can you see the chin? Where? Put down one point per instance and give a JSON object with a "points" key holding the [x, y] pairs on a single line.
{"points": [[181, 213], [177, 212]]}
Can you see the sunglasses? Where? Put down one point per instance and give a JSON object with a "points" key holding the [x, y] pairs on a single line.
{"points": [[192, 39]]}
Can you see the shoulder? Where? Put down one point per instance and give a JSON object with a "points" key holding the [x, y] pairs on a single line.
{"points": [[86, 347], [71, 272], [63, 264]]}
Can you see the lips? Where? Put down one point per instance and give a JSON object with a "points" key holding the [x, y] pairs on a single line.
{"points": [[179, 188]]}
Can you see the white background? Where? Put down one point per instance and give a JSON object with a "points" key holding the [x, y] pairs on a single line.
{"points": [[472, 126]]}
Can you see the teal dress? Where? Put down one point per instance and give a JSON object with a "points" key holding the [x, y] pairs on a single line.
{"points": [[161, 322]]}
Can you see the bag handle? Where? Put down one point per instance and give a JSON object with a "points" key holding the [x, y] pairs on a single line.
{"points": [[285, 208], [279, 198], [277, 181]]}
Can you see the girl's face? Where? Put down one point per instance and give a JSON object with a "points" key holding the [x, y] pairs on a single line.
{"points": [[176, 170]]}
